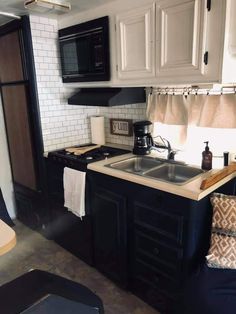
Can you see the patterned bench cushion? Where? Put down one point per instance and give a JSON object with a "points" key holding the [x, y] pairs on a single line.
{"points": [[224, 213], [222, 252]]}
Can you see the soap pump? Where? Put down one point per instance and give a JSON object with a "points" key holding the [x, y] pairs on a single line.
{"points": [[206, 158]]}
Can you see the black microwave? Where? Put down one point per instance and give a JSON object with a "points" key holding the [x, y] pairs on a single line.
{"points": [[84, 51]]}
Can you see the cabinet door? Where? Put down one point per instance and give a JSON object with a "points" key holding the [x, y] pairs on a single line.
{"points": [[32, 210], [135, 43], [181, 36], [232, 30], [11, 68], [109, 223], [15, 105]]}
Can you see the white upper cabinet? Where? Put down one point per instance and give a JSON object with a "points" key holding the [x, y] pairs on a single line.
{"points": [[163, 43], [136, 43], [181, 37], [177, 42]]}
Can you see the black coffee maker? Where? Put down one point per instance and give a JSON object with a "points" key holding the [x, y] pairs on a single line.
{"points": [[143, 141]]}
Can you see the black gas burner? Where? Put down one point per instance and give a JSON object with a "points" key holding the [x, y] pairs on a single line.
{"points": [[80, 162]]}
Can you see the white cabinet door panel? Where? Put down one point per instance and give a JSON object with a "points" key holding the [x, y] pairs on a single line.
{"points": [[135, 43], [181, 39], [232, 30]]}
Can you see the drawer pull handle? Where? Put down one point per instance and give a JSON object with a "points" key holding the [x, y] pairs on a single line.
{"points": [[156, 251]]}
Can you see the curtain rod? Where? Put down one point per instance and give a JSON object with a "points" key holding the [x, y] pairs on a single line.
{"points": [[227, 89]]}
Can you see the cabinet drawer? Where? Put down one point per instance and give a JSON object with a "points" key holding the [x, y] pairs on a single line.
{"points": [[167, 224], [158, 254], [154, 276]]}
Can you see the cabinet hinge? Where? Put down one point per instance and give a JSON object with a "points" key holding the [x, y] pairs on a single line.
{"points": [[117, 67], [208, 5], [205, 58]]}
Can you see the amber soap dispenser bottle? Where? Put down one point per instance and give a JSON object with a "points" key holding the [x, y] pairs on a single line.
{"points": [[207, 158]]}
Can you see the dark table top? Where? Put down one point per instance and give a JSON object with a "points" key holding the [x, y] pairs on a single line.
{"points": [[54, 304]]}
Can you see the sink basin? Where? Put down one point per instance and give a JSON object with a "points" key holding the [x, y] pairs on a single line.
{"points": [[163, 170], [138, 164], [174, 173]]}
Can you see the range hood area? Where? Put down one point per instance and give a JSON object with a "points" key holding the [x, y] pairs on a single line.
{"points": [[110, 96]]}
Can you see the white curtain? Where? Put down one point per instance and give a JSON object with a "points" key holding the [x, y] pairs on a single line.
{"points": [[213, 111], [171, 116], [189, 121], [168, 109]]}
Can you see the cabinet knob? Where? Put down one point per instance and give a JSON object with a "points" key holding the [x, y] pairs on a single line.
{"points": [[156, 251]]}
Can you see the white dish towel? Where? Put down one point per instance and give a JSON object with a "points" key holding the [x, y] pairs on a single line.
{"points": [[74, 191]]}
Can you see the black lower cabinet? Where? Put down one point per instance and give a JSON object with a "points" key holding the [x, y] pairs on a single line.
{"points": [[33, 209], [148, 240], [109, 214], [159, 254], [68, 230]]}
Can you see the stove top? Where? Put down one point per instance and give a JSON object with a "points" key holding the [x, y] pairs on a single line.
{"points": [[81, 161]]}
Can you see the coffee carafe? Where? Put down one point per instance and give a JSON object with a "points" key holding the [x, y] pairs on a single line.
{"points": [[143, 141]]}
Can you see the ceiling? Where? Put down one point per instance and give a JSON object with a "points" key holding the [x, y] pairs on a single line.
{"points": [[17, 7]]}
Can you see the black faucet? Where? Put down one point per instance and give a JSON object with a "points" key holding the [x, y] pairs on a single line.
{"points": [[171, 152], [171, 155]]}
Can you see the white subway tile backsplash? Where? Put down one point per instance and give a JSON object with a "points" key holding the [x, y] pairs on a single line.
{"points": [[49, 28], [39, 27], [43, 65], [35, 19], [43, 20], [35, 32]]}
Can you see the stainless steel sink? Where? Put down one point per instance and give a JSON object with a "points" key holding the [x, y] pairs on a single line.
{"points": [[174, 173], [164, 170], [138, 164]]}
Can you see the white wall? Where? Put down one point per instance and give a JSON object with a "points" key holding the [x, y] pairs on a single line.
{"points": [[5, 172], [62, 124]]}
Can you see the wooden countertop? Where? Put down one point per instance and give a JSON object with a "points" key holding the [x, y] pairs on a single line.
{"points": [[7, 238], [189, 190]]}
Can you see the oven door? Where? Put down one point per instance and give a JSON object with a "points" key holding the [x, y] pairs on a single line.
{"points": [[68, 230]]}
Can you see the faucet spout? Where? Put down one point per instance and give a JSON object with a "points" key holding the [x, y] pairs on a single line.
{"points": [[171, 153]]}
